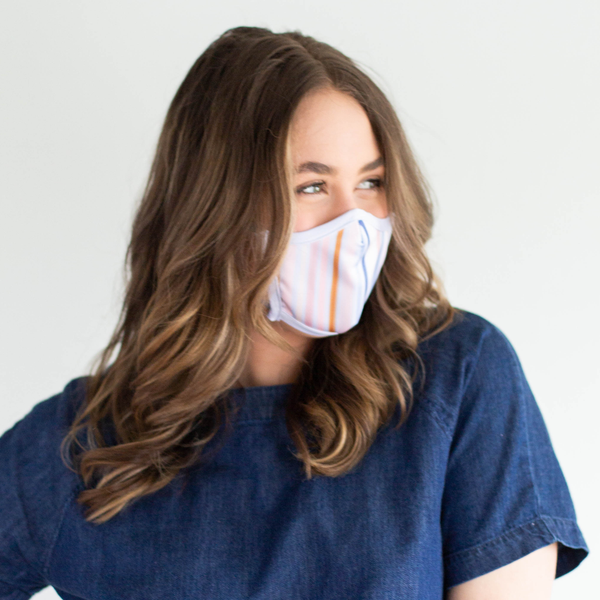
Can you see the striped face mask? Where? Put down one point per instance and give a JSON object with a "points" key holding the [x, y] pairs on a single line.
{"points": [[328, 273]]}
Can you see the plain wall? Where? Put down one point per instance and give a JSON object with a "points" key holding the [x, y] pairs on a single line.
{"points": [[499, 100]]}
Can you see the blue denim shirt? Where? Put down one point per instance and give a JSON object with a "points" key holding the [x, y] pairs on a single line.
{"points": [[468, 484]]}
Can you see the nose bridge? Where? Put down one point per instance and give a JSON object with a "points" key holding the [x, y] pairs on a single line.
{"points": [[346, 197], [345, 200]]}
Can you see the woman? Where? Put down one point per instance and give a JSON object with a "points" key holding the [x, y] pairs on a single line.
{"points": [[295, 410]]}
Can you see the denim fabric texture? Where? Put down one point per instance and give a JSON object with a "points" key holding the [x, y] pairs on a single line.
{"points": [[468, 484]]}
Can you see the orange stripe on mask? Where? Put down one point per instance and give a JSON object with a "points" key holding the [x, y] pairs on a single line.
{"points": [[334, 283]]}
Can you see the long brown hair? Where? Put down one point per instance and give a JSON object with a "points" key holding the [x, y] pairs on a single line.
{"points": [[198, 276]]}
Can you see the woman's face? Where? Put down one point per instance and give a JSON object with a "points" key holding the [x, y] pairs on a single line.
{"points": [[336, 160]]}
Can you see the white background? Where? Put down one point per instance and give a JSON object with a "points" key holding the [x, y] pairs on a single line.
{"points": [[499, 99]]}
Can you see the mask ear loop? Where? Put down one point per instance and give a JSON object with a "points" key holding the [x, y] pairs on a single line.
{"points": [[275, 303]]}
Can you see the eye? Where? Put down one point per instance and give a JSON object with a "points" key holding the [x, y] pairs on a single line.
{"points": [[376, 181], [317, 184]]}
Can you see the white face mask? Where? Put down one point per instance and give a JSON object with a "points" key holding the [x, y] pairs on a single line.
{"points": [[328, 273]]}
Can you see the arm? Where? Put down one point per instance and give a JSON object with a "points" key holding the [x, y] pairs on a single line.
{"points": [[530, 577]]}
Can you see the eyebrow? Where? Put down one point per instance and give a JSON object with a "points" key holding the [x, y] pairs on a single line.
{"points": [[321, 169]]}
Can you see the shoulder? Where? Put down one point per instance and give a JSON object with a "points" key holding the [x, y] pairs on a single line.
{"points": [[56, 410], [34, 437], [465, 337], [504, 492], [32, 443], [472, 352], [35, 481]]}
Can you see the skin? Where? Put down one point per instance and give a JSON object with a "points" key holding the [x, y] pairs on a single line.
{"points": [[332, 128], [529, 578]]}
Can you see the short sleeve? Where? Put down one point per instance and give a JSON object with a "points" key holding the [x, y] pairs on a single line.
{"points": [[35, 488], [505, 494], [19, 578]]}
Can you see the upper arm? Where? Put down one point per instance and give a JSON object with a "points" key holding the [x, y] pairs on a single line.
{"points": [[529, 577]]}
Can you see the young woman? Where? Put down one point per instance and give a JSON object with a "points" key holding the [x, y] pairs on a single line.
{"points": [[295, 410]]}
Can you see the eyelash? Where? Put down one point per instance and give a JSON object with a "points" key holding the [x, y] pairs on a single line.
{"points": [[377, 180]]}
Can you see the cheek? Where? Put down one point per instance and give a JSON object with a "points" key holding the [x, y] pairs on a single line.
{"points": [[304, 221], [378, 208], [382, 211], [382, 208]]}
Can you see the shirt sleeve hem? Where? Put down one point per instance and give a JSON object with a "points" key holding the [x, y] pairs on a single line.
{"points": [[516, 543]]}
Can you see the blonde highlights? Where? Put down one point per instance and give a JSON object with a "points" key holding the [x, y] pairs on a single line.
{"points": [[198, 273]]}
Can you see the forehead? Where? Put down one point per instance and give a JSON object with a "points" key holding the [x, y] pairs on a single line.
{"points": [[328, 123]]}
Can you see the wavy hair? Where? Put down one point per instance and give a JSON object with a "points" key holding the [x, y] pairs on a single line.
{"points": [[197, 276]]}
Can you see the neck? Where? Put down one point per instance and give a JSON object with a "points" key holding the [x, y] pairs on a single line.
{"points": [[268, 364]]}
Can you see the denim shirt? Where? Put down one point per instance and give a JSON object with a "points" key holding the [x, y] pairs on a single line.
{"points": [[468, 484]]}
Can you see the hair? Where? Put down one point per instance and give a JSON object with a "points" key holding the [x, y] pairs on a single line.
{"points": [[197, 276]]}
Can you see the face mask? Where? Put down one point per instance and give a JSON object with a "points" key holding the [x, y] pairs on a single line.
{"points": [[328, 273]]}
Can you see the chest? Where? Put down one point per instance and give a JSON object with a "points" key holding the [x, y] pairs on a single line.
{"points": [[236, 531]]}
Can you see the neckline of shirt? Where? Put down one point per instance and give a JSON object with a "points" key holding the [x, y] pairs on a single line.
{"points": [[261, 403]]}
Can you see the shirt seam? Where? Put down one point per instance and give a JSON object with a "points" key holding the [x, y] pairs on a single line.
{"points": [[34, 567], [537, 519], [54, 537], [522, 396], [24, 556], [428, 405], [537, 515], [476, 363], [431, 408]]}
